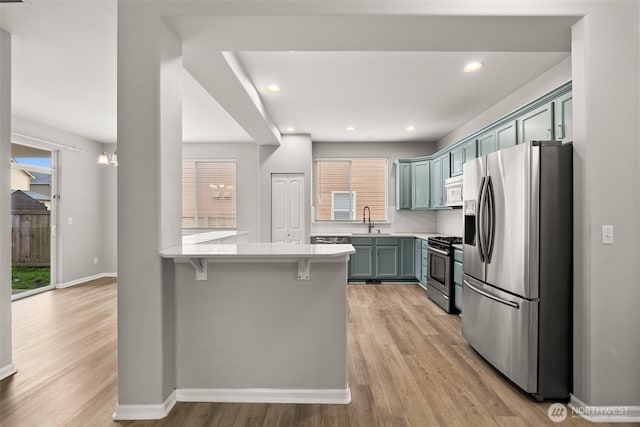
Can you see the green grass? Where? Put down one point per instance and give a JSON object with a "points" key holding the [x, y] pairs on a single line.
{"points": [[29, 277]]}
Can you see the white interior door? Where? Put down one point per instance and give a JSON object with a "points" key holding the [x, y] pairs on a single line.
{"points": [[287, 208]]}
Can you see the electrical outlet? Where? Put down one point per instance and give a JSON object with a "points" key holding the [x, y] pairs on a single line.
{"points": [[95, 260], [607, 234]]}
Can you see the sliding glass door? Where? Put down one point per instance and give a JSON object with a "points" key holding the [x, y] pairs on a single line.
{"points": [[32, 220]]}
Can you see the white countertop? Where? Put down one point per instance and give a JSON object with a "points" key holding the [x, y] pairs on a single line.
{"points": [[257, 250], [210, 236], [419, 235]]}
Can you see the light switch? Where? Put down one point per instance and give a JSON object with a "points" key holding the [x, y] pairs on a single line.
{"points": [[70, 220], [607, 234]]}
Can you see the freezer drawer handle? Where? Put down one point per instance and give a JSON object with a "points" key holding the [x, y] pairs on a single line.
{"points": [[493, 297]]}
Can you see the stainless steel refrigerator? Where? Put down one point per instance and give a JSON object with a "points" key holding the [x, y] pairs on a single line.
{"points": [[517, 282]]}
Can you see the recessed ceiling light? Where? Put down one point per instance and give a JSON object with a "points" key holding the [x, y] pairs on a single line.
{"points": [[290, 129], [350, 128], [472, 67], [273, 87], [410, 128]]}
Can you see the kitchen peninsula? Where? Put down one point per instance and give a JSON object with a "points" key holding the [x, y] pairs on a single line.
{"points": [[261, 322]]}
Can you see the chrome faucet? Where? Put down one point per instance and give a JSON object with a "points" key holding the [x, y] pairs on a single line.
{"points": [[364, 217]]}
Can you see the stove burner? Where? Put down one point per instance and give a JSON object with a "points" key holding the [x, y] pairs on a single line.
{"points": [[452, 240]]}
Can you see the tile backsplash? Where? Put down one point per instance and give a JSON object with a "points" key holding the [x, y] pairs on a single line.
{"points": [[397, 221], [450, 222], [445, 222]]}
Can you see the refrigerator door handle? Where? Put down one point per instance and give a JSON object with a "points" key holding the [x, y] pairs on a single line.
{"points": [[479, 221], [491, 296], [491, 204]]}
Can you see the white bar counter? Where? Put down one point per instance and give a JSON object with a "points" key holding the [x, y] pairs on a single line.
{"points": [[268, 323]]}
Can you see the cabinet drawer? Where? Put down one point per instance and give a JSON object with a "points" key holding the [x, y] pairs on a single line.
{"points": [[457, 273], [457, 255], [386, 241], [361, 241]]}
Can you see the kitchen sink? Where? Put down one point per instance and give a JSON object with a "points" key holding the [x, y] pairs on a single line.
{"points": [[370, 234]]}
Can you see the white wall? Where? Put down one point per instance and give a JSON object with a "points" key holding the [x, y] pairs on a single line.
{"points": [[398, 220], [247, 178], [80, 186], [293, 155]]}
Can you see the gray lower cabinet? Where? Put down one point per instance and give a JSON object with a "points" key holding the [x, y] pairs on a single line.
{"points": [[406, 260], [417, 259], [457, 277], [361, 263], [387, 253], [383, 258]]}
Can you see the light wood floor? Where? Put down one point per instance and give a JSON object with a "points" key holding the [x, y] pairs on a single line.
{"points": [[408, 366]]}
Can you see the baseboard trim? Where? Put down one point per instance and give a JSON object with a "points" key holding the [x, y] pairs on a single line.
{"points": [[265, 395], [7, 371], [145, 412], [84, 280], [605, 414]]}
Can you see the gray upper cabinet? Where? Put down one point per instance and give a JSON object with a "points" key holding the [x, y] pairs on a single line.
{"points": [[506, 135], [486, 143], [440, 170], [403, 184], [563, 118], [536, 125], [462, 154], [457, 160], [420, 190], [470, 151]]}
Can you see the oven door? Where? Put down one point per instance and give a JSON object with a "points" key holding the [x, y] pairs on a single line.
{"points": [[439, 270]]}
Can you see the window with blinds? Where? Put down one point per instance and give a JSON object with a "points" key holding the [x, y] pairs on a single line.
{"points": [[209, 194], [343, 187]]}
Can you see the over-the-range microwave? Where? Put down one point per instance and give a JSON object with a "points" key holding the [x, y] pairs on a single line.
{"points": [[453, 190]]}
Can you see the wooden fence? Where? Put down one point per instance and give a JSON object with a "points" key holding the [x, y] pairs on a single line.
{"points": [[31, 238]]}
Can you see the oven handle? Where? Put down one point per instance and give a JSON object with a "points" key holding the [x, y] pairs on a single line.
{"points": [[438, 251], [491, 296]]}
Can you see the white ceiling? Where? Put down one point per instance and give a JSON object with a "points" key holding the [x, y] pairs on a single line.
{"points": [[378, 74]]}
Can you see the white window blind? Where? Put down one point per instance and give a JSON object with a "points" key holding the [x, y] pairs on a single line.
{"points": [[343, 187], [208, 194]]}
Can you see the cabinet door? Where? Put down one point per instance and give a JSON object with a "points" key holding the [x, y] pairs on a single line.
{"points": [[446, 170], [386, 264], [457, 160], [563, 118], [417, 258], [420, 185], [536, 124], [425, 263], [406, 259], [506, 135], [486, 143], [470, 151], [436, 183], [403, 185], [361, 263]]}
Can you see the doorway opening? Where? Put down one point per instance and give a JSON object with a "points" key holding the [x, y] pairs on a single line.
{"points": [[33, 219]]}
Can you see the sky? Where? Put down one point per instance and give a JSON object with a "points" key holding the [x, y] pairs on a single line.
{"points": [[35, 161]]}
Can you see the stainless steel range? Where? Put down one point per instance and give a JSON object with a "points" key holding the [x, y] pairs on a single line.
{"points": [[440, 279]]}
